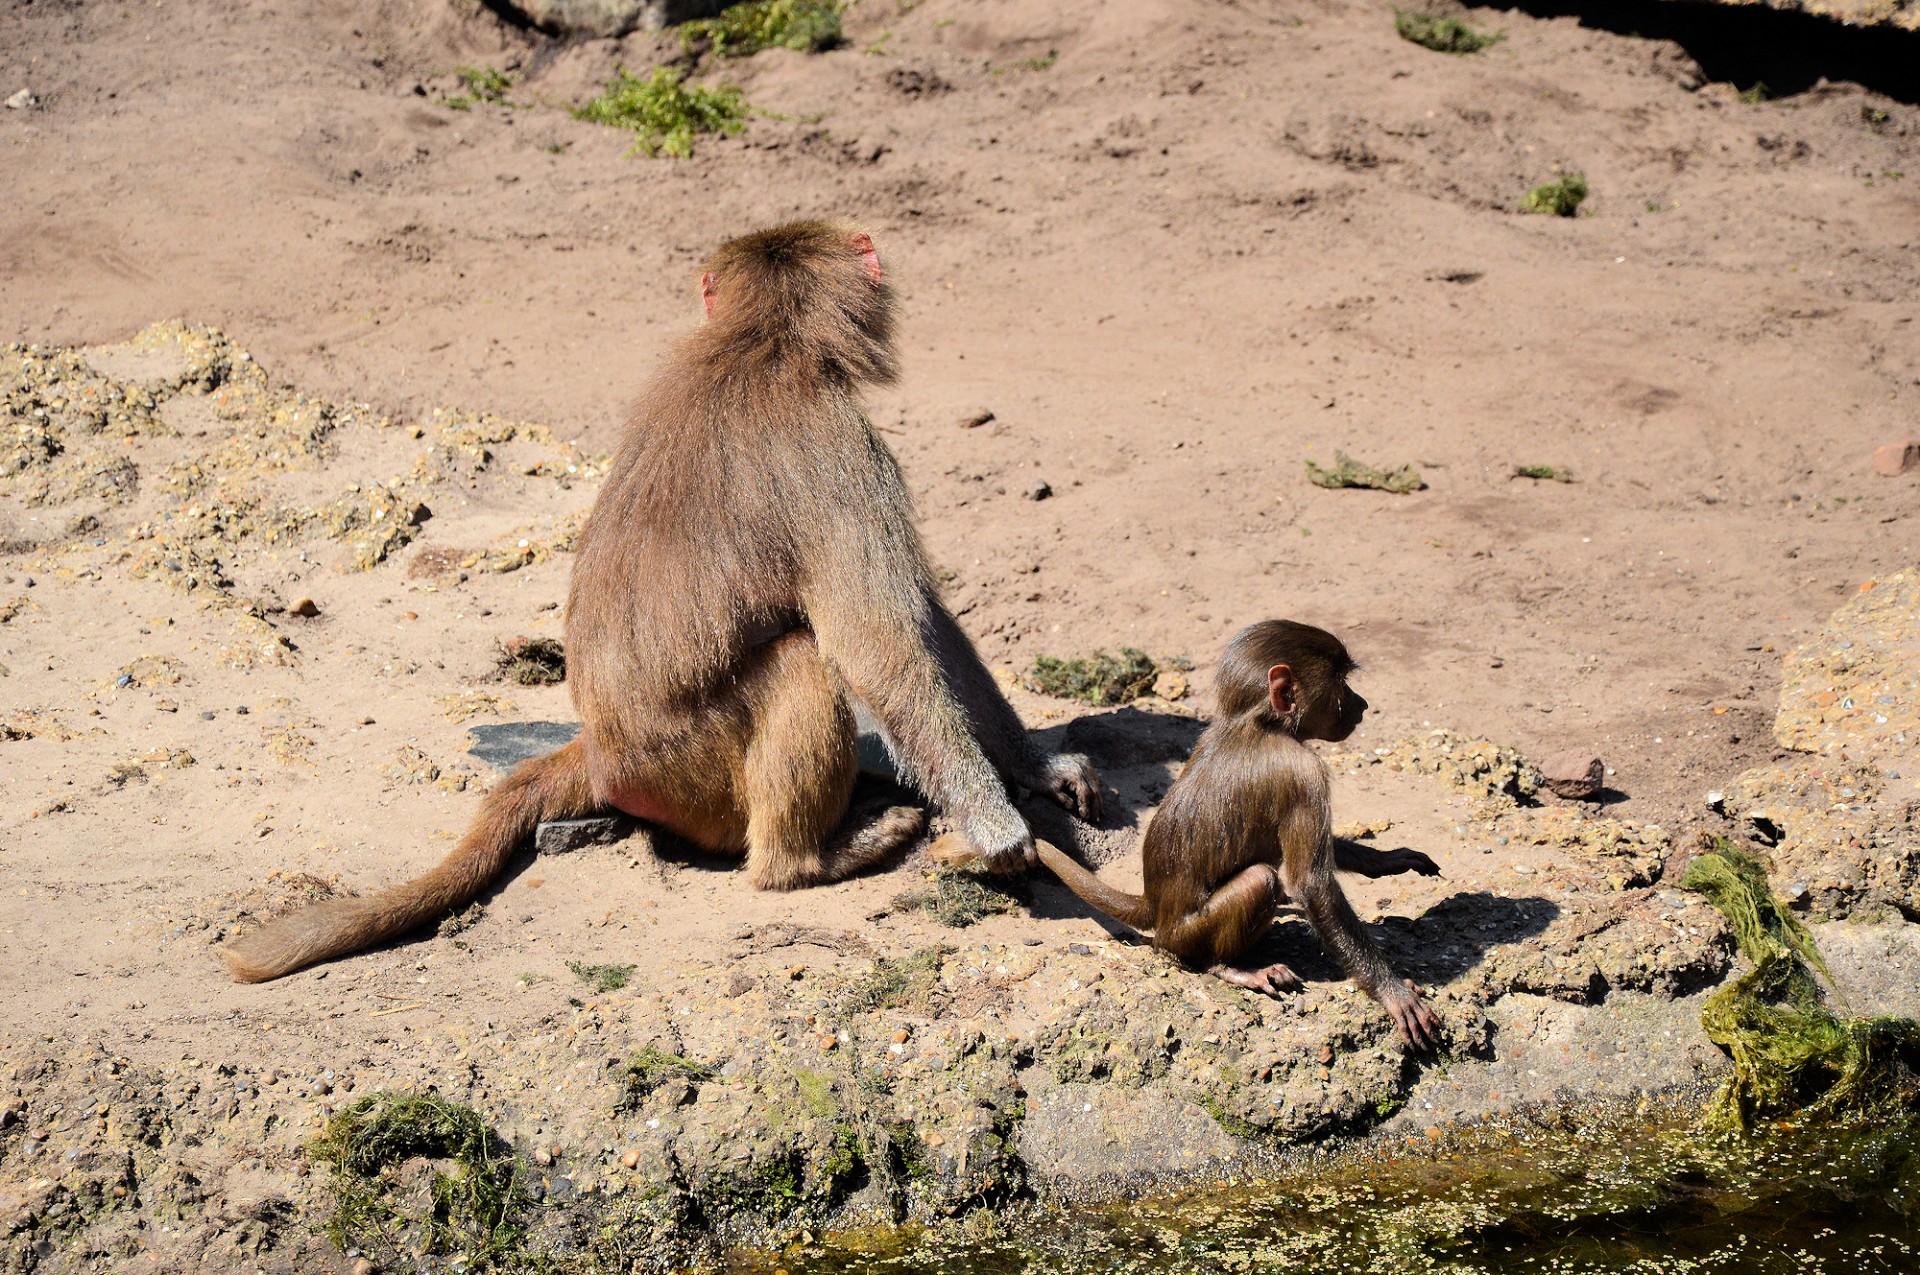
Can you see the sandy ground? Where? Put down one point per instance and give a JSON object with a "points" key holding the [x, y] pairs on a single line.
{"points": [[1204, 243]]}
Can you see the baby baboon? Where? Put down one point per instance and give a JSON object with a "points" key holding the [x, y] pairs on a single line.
{"points": [[1247, 826], [750, 567]]}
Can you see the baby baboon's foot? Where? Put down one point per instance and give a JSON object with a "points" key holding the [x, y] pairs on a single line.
{"points": [[1270, 979], [866, 842]]}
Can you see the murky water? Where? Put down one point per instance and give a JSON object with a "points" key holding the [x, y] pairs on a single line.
{"points": [[1589, 1194]]}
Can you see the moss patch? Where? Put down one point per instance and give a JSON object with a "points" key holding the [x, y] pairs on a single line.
{"points": [[899, 982], [650, 1068], [1348, 472], [1559, 199], [1543, 473], [742, 30], [956, 899], [666, 112], [471, 1206], [602, 978], [1442, 34], [482, 84], [1791, 1054], [1100, 679], [532, 661]]}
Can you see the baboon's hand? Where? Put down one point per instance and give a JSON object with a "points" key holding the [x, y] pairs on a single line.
{"points": [[1002, 838], [1071, 780]]}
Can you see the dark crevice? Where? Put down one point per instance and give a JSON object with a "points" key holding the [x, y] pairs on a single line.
{"points": [[1751, 44]]}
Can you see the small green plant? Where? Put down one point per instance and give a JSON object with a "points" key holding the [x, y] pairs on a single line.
{"points": [[1560, 198], [1543, 473], [1348, 472], [1098, 679], [665, 111], [1442, 34], [650, 1068], [898, 982], [1043, 62], [1757, 94], [474, 1204], [744, 29], [602, 978], [483, 84], [956, 899], [1873, 117]]}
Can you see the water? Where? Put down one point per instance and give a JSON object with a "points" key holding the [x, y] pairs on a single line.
{"points": [[1587, 1193]]}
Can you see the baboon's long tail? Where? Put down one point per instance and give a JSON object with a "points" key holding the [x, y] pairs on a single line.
{"points": [[1129, 909], [550, 787]]}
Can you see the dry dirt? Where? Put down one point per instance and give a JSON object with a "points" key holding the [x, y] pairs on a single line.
{"points": [[1175, 248]]}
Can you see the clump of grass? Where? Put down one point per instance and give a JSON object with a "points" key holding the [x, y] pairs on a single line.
{"points": [[1348, 472], [1442, 34], [1560, 199], [1543, 473], [536, 661], [1757, 94], [473, 1206], [650, 1068], [602, 978], [1790, 1052], [956, 899], [742, 30], [483, 84], [1098, 679], [897, 982], [666, 112]]}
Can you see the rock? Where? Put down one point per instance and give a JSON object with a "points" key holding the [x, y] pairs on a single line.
{"points": [[609, 17], [558, 836], [1170, 686], [24, 100], [305, 607], [508, 744], [1896, 458], [1575, 775], [1039, 491], [974, 418]]}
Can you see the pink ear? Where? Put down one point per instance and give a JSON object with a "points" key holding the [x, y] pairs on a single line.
{"points": [[706, 291], [863, 244], [1280, 689]]}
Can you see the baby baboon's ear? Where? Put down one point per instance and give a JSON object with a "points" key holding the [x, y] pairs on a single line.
{"points": [[1282, 689]]}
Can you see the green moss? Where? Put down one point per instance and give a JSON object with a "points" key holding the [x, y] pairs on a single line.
{"points": [[1442, 34], [1239, 1128], [896, 983], [602, 978], [1099, 679], [1559, 198], [1543, 473], [1791, 1054], [650, 1068], [742, 30], [816, 1092], [1348, 472], [956, 899], [472, 1208], [665, 111]]}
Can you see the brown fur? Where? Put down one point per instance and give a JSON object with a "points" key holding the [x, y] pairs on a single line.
{"points": [[750, 566], [1248, 826]]}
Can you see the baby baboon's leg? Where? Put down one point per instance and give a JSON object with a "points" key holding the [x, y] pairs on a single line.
{"points": [[1228, 926], [798, 775]]}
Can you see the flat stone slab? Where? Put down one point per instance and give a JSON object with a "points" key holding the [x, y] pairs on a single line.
{"points": [[507, 744]]}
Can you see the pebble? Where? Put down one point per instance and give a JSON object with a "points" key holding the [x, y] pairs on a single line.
{"points": [[1889, 461], [630, 1159], [24, 100], [306, 607], [1039, 491], [242, 709], [975, 418], [125, 679], [206, 717]]}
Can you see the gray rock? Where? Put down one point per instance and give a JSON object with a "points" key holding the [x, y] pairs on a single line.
{"points": [[508, 744], [24, 100], [558, 836], [1575, 775], [609, 17]]}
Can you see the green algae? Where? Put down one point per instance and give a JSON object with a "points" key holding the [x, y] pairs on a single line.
{"points": [[1792, 1056]]}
